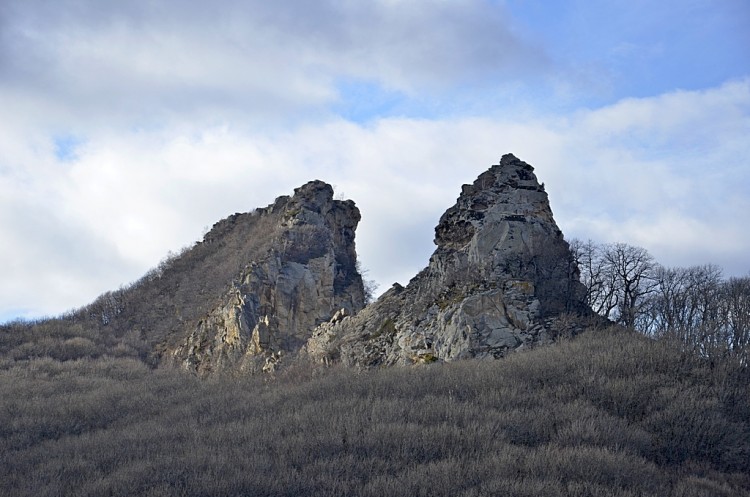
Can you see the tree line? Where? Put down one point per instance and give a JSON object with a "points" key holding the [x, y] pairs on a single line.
{"points": [[708, 313]]}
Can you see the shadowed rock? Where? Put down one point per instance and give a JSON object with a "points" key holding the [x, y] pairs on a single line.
{"points": [[304, 271], [502, 278]]}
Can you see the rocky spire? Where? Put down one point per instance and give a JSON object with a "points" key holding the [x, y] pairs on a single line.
{"points": [[500, 278], [507, 190], [302, 273]]}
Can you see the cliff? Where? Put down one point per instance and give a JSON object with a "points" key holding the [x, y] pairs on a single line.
{"points": [[306, 272], [246, 296], [501, 278], [281, 282]]}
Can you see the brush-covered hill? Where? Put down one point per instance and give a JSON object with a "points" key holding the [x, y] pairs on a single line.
{"points": [[251, 291], [278, 284], [149, 390], [608, 413]]}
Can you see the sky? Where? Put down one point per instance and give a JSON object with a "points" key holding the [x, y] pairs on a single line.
{"points": [[128, 128]]}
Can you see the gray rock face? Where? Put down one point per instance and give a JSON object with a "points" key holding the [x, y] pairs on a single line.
{"points": [[303, 276], [502, 278]]}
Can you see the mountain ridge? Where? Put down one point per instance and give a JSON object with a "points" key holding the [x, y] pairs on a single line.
{"points": [[219, 304], [281, 283]]}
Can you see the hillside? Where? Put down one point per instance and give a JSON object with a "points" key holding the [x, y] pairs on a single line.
{"points": [[251, 290], [606, 414], [248, 364], [280, 284]]}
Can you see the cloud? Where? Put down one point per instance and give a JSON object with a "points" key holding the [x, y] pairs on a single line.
{"points": [[148, 60], [129, 127], [671, 172], [649, 172]]}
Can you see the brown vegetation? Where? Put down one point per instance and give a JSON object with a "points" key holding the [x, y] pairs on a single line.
{"points": [[606, 414], [184, 286]]}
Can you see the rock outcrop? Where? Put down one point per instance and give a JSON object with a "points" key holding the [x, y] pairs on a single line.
{"points": [[268, 286], [304, 272], [502, 278]]}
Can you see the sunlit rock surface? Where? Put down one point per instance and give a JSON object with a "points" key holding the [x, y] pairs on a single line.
{"points": [[502, 278], [305, 272]]}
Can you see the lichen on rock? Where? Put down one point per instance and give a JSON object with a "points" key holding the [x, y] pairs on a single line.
{"points": [[500, 276], [306, 274]]}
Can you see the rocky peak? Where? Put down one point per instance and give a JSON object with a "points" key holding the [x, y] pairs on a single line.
{"points": [[500, 279], [303, 272], [508, 190], [316, 196], [266, 286]]}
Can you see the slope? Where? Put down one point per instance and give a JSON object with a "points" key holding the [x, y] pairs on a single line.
{"points": [[251, 291], [607, 414]]}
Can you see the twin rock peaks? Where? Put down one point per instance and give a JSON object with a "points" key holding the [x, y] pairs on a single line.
{"points": [[281, 284]]}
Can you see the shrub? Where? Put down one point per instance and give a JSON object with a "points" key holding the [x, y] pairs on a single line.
{"points": [[555, 421]]}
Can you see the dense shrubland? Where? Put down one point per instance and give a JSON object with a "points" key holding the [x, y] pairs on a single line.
{"points": [[609, 413], [84, 409]]}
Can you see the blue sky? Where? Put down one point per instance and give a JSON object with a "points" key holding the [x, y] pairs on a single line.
{"points": [[128, 128], [642, 48]]}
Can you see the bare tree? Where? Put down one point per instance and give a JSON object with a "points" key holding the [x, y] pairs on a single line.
{"points": [[369, 286], [736, 310], [618, 277], [633, 271], [685, 305], [601, 293], [707, 314]]}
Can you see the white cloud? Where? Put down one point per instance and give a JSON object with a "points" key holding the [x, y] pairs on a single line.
{"points": [[260, 60], [79, 228], [671, 173], [128, 127]]}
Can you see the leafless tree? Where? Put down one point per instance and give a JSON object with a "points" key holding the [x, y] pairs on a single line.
{"points": [[685, 305], [736, 311], [632, 270], [710, 316], [600, 286], [618, 277]]}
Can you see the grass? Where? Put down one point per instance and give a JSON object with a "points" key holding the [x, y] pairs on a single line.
{"points": [[605, 414]]}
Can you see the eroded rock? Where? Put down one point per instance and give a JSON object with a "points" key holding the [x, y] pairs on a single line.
{"points": [[306, 274], [499, 279]]}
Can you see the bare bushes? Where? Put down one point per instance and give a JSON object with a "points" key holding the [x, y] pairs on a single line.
{"points": [[613, 414]]}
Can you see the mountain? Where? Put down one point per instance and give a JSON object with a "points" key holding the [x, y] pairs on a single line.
{"points": [[251, 292], [86, 411], [502, 278], [280, 283], [306, 272]]}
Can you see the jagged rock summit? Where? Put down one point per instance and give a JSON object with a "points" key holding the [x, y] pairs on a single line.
{"points": [[304, 274], [250, 294], [281, 283], [502, 278]]}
